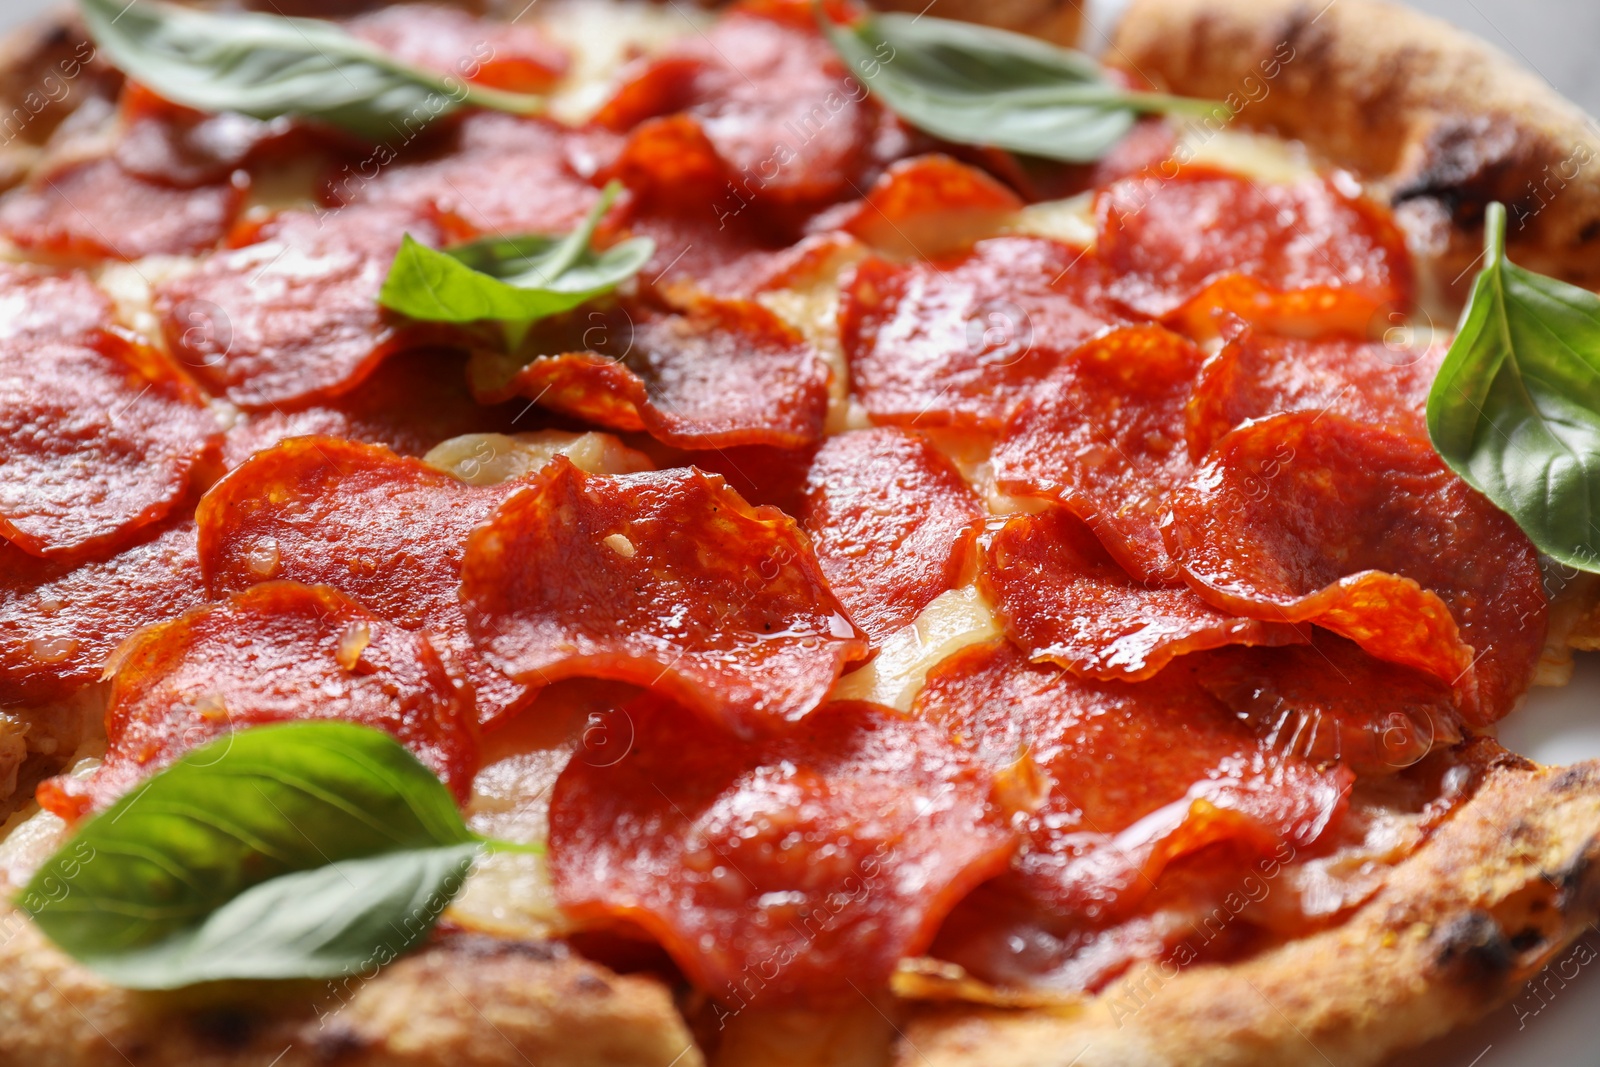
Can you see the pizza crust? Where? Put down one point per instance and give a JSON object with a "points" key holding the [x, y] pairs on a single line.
{"points": [[1438, 120], [1502, 888], [1433, 117]]}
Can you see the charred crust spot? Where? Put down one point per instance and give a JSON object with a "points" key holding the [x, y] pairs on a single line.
{"points": [[1465, 162], [1473, 949], [481, 946], [228, 1029], [338, 1043], [1523, 940], [1582, 777], [592, 985]]}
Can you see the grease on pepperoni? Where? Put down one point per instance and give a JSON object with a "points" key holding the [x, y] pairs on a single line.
{"points": [[58, 621], [292, 317], [892, 522], [957, 341], [1065, 600], [98, 439], [384, 529], [1257, 374], [1308, 517], [925, 206], [665, 579], [256, 658], [836, 848], [94, 209], [1166, 238], [1137, 774], [724, 373], [502, 174], [1330, 701], [1104, 436]]}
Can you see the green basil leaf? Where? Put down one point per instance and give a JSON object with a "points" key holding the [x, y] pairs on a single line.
{"points": [[982, 86], [299, 850], [512, 280], [1515, 407], [270, 65]]}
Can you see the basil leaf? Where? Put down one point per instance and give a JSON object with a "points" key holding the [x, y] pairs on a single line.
{"points": [[1515, 407], [982, 86], [512, 280], [270, 65], [304, 850]]}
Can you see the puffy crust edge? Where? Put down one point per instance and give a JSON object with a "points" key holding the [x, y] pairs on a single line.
{"points": [[1500, 889], [464, 1001], [1437, 119]]}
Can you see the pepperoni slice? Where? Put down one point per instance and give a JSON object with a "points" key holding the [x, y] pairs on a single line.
{"points": [[666, 579], [181, 147], [892, 522], [501, 173], [253, 659], [724, 373], [97, 440], [96, 210], [292, 317], [834, 849], [1258, 374], [40, 307], [504, 54], [1137, 774], [1314, 518], [760, 474], [958, 341], [1167, 238], [415, 400], [773, 99], [59, 621], [1065, 600], [925, 206], [386, 530], [1104, 436], [1331, 701]]}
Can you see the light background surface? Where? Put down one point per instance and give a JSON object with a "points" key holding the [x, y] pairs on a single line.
{"points": [[1560, 1026]]}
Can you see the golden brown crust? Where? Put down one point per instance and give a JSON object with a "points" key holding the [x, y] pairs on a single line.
{"points": [[1054, 20], [464, 1002], [1501, 888], [1442, 121]]}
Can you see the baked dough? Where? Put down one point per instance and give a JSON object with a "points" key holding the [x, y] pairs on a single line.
{"points": [[1442, 122]]}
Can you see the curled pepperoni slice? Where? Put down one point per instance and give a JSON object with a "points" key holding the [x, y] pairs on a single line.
{"points": [[292, 317], [769, 870], [1330, 701], [59, 621], [774, 100], [415, 400], [254, 659], [665, 579], [1314, 518], [892, 522], [94, 209], [97, 439], [1167, 238], [386, 530], [1136, 774], [724, 373], [1104, 436], [1064, 599], [925, 206], [458, 44], [501, 173], [181, 147], [958, 341], [1257, 374]]}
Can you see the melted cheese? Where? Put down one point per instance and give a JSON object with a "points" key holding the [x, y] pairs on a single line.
{"points": [[600, 37], [955, 619], [492, 458]]}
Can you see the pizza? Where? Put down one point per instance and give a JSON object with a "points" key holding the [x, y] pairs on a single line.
{"points": [[618, 534]]}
